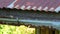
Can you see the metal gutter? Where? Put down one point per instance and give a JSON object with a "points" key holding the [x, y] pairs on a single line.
{"points": [[33, 22]]}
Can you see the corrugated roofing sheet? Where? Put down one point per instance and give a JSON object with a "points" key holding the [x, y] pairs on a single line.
{"points": [[48, 5]]}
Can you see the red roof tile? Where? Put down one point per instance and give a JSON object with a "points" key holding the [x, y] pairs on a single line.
{"points": [[48, 5]]}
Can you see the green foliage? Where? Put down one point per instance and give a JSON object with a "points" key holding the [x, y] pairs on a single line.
{"points": [[8, 29]]}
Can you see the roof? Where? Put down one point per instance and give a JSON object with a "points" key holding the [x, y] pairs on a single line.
{"points": [[47, 5]]}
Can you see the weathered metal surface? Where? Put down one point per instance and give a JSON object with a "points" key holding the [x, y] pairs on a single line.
{"points": [[48, 5]]}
